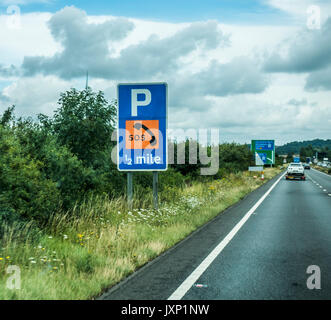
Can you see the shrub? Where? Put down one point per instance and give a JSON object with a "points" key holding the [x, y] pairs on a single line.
{"points": [[23, 189], [57, 163]]}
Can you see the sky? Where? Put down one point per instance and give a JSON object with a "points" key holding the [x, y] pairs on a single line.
{"points": [[254, 69]]}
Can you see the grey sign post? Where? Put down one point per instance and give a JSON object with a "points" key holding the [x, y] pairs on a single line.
{"points": [[155, 190], [129, 189]]}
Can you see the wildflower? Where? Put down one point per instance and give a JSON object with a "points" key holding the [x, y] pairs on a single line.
{"points": [[8, 257], [32, 261], [65, 237], [79, 235], [1, 258], [50, 237]]}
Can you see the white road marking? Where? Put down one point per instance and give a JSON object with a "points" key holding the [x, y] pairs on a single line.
{"points": [[195, 275], [324, 190], [322, 173]]}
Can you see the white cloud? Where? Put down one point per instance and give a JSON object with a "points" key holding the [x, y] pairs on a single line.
{"points": [[88, 46], [299, 9], [212, 82], [34, 95], [32, 38]]}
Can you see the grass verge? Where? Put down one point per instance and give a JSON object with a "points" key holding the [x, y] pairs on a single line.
{"points": [[322, 169], [81, 253]]}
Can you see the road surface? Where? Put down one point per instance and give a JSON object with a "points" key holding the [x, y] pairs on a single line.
{"points": [[260, 248]]}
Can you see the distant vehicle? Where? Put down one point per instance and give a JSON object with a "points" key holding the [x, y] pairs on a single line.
{"points": [[295, 171], [308, 160], [306, 166]]}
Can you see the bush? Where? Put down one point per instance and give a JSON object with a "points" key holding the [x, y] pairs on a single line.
{"points": [[23, 189], [72, 179], [57, 163], [222, 173], [171, 178], [234, 157]]}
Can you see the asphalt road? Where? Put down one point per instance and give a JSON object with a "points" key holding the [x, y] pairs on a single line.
{"points": [[266, 258]]}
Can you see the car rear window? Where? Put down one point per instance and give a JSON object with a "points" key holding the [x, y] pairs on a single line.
{"points": [[296, 165]]}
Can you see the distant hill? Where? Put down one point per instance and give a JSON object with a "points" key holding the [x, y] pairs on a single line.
{"points": [[294, 147]]}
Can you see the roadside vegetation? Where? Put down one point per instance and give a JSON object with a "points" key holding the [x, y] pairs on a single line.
{"points": [[64, 218], [322, 169]]}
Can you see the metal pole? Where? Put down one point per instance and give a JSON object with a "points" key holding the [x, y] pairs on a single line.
{"points": [[155, 188], [129, 189]]}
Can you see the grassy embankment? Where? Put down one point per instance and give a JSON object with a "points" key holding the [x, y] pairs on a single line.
{"points": [[322, 169], [81, 253]]}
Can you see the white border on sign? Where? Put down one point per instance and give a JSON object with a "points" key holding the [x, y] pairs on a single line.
{"points": [[118, 123]]}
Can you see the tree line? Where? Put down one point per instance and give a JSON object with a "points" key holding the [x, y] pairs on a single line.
{"points": [[55, 162]]}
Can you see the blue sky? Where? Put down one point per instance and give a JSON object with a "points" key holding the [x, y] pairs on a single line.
{"points": [[227, 11]]}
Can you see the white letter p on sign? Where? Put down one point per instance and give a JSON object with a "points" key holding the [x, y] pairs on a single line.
{"points": [[134, 100]]}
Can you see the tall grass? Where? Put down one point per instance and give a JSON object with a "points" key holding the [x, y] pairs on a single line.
{"points": [[84, 251]]}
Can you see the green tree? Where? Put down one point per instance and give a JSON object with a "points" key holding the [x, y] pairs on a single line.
{"points": [[235, 157], [24, 190], [84, 123]]}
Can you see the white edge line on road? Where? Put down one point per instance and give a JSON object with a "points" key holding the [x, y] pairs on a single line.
{"points": [[322, 173], [195, 275]]}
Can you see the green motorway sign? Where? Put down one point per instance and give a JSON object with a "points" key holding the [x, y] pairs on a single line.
{"points": [[264, 151]]}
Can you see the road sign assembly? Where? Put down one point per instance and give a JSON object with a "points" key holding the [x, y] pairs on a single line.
{"points": [[142, 127], [142, 131], [264, 151]]}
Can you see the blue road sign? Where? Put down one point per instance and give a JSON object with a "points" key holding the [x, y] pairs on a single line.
{"points": [[264, 145], [142, 127], [263, 157]]}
